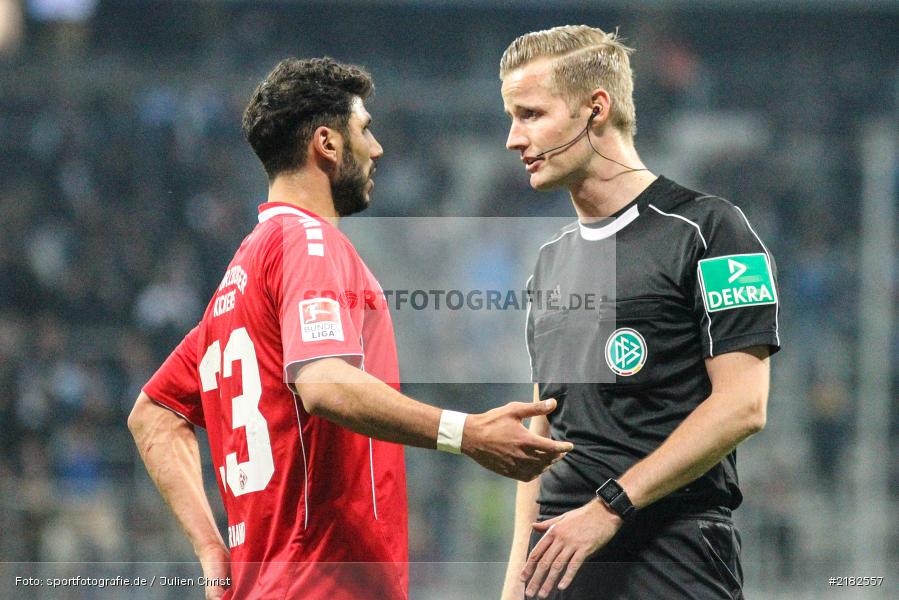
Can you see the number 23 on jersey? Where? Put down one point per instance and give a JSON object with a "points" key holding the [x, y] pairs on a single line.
{"points": [[253, 474]]}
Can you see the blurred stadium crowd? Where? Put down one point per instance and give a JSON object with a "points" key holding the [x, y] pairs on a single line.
{"points": [[126, 186]]}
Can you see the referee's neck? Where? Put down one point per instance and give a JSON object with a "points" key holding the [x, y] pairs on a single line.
{"points": [[597, 197]]}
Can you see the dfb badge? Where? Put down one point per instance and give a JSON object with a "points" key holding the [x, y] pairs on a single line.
{"points": [[626, 352]]}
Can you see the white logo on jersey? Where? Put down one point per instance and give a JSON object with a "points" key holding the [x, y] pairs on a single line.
{"points": [[237, 534], [223, 303], [320, 320], [235, 276], [736, 269]]}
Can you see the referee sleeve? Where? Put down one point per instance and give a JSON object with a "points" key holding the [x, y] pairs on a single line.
{"points": [[736, 299]]}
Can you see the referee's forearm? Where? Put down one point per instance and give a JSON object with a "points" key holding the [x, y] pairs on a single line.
{"points": [[526, 512], [701, 441], [735, 410]]}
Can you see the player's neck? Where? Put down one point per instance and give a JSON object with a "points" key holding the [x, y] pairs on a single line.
{"points": [[307, 191], [608, 187]]}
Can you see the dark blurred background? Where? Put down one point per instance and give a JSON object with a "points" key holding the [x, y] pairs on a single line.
{"points": [[125, 187]]}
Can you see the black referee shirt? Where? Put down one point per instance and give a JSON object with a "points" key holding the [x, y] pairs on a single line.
{"points": [[622, 315]]}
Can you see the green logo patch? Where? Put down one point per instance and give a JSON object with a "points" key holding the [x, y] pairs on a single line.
{"points": [[626, 351], [736, 280]]}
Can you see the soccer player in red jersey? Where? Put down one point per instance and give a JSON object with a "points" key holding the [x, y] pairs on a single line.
{"points": [[293, 372]]}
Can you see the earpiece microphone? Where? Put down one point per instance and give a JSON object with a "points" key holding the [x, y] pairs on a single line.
{"points": [[596, 110], [586, 131]]}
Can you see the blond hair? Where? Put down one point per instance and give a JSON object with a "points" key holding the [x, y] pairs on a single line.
{"points": [[586, 58]]}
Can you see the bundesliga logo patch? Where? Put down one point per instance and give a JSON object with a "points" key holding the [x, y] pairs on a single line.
{"points": [[320, 320], [736, 280]]}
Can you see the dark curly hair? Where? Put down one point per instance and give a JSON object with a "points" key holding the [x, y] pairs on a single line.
{"points": [[296, 98]]}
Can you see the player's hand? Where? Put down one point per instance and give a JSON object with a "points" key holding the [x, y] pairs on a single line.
{"points": [[499, 441], [566, 543], [216, 563]]}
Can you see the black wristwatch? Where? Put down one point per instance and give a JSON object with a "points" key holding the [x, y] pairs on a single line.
{"points": [[613, 495]]}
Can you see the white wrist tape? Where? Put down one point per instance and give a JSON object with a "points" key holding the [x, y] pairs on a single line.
{"points": [[449, 435]]}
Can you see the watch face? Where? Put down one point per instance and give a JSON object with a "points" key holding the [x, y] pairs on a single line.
{"points": [[609, 491]]}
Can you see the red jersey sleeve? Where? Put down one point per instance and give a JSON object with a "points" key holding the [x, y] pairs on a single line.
{"points": [[176, 384], [315, 288]]}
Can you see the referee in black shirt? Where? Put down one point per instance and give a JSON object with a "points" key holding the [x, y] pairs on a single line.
{"points": [[651, 322]]}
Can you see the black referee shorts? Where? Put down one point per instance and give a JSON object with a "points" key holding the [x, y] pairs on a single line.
{"points": [[695, 556]]}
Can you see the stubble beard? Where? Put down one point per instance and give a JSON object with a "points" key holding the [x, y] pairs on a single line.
{"points": [[348, 186]]}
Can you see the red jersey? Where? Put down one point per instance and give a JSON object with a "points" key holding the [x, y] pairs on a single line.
{"points": [[315, 511]]}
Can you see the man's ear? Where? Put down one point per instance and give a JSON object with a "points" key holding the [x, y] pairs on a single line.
{"points": [[326, 145], [601, 102]]}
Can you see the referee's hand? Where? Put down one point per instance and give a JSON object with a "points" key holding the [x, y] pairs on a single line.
{"points": [[499, 441], [568, 540]]}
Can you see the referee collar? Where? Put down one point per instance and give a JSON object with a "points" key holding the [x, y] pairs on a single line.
{"points": [[627, 214], [600, 230]]}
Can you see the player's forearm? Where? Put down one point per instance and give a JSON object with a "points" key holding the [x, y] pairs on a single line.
{"points": [[352, 398], [169, 449], [700, 442]]}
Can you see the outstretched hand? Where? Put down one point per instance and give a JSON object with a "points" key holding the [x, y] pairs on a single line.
{"points": [[499, 441]]}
